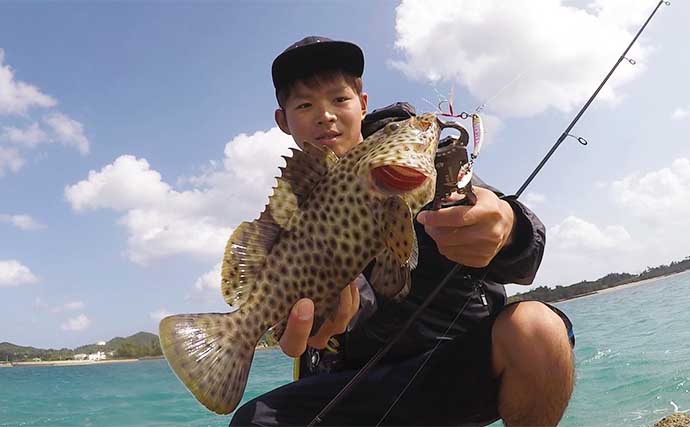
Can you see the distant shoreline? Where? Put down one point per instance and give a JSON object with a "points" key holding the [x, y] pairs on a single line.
{"points": [[640, 282], [72, 362], [621, 287]]}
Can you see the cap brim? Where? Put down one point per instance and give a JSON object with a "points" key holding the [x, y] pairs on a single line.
{"points": [[306, 60]]}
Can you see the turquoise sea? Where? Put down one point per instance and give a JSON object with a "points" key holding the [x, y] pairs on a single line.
{"points": [[633, 368]]}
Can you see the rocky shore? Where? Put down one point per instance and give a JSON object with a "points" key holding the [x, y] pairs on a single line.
{"points": [[674, 420]]}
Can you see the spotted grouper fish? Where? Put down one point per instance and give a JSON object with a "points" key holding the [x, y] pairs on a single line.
{"points": [[326, 220]]}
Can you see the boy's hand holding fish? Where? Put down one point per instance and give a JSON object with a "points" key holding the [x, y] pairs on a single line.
{"points": [[296, 336]]}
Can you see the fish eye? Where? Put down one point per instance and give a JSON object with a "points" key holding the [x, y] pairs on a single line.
{"points": [[391, 127]]}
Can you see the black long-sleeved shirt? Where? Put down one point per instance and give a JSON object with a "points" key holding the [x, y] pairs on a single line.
{"points": [[480, 291]]}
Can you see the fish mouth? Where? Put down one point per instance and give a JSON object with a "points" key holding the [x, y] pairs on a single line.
{"points": [[397, 179]]}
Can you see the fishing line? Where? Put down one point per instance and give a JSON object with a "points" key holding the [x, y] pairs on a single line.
{"points": [[457, 267]]}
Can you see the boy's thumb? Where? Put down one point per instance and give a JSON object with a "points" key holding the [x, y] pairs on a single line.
{"points": [[305, 309]]}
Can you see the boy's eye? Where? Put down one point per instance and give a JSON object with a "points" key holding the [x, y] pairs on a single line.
{"points": [[341, 99], [302, 106]]}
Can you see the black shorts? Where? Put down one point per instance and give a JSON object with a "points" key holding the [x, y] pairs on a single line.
{"points": [[454, 387]]}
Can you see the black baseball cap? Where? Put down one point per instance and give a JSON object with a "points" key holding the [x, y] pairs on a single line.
{"points": [[315, 53]]}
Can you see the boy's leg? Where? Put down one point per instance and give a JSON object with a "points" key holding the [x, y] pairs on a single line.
{"points": [[298, 403], [455, 387], [533, 359]]}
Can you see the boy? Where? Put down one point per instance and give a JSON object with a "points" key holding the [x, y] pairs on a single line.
{"points": [[512, 362]]}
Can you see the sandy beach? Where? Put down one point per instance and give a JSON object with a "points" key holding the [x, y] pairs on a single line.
{"points": [[72, 362], [641, 282]]}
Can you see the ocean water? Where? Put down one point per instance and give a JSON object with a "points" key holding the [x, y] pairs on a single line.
{"points": [[632, 356]]}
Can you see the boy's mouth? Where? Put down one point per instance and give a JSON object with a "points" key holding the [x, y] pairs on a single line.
{"points": [[327, 137]]}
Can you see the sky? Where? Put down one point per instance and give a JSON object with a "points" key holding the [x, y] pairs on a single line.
{"points": [[134, 136]]}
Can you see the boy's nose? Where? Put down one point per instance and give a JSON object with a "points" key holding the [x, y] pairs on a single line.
{"points": [[326, 116]]}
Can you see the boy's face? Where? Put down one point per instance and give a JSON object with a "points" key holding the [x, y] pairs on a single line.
{"points": [[329, 114]]}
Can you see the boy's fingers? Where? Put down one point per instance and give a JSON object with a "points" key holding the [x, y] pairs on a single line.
{"points": [[294, 339], [355, 300], [347, 307], [454, 216]]}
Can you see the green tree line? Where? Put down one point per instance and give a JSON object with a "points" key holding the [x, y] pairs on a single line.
{"points": [[558, 293]]}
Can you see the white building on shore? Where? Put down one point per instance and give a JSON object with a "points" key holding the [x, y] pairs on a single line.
{"points": [[97, 356]]}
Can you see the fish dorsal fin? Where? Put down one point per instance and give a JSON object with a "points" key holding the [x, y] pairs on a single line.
{"points": [[244, 257], [251, 242], [302, 172], [399, 235]]}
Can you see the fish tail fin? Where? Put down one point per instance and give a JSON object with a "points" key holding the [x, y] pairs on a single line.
{"points": [[211, 354]]}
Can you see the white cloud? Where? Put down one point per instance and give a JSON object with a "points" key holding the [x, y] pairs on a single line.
{"points": [[68, 132], [24, 222], [578, 234], [659, 197], [10, 160], [14, 273], [650, 210], [78, 323], [125, 184], [29, 137], [69, 306], [545, 48], [159, 314], [533, 199], [17, 97], [162, 221], [680, 113], [209, 281]]}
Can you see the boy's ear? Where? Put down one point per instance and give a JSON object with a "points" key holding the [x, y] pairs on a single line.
{"points": [[281, 121], [363, 99]]}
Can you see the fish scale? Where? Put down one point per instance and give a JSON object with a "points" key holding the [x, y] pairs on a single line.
{"points": [[327, 219]]}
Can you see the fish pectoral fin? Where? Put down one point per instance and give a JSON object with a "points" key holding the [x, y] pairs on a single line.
{"points": [[388, 278], [399, 234], [211, 354]]}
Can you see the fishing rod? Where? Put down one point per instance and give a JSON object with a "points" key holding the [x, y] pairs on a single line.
{"points": [[457, 267]]}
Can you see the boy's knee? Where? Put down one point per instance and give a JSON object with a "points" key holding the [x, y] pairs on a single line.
{"points": [[528, 331]]}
